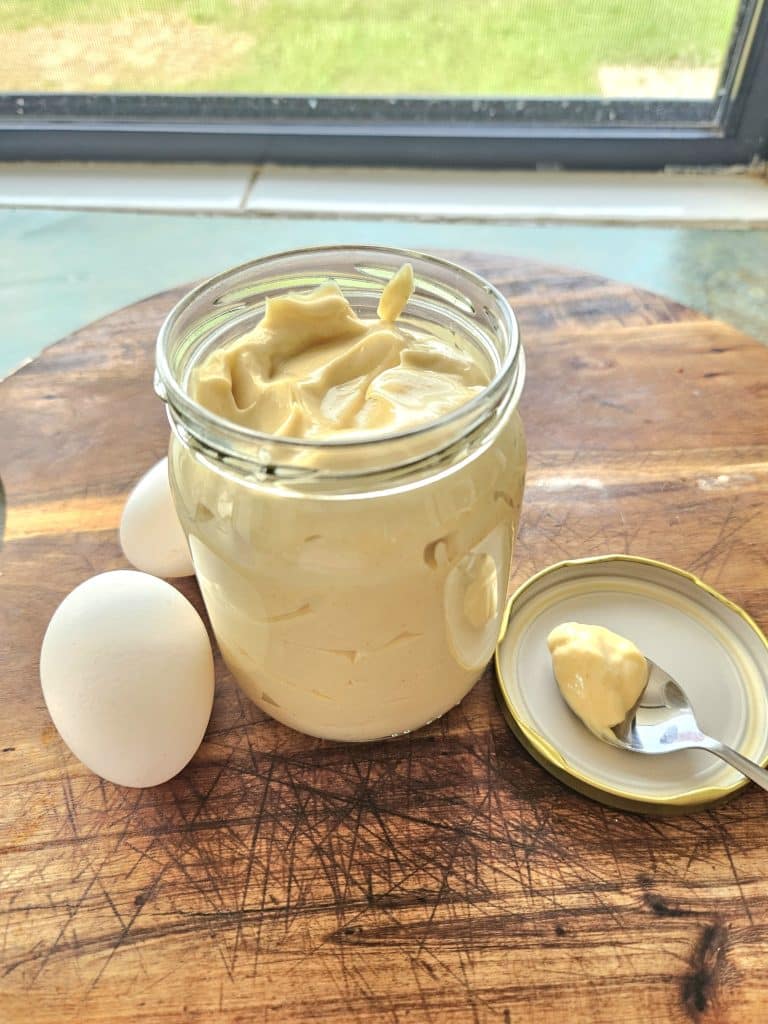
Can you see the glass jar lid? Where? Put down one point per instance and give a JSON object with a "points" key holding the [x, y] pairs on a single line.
{"points": [[707, 643]]}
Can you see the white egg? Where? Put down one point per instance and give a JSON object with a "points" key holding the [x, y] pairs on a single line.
{"points": [[127, 674], [150, 532]]}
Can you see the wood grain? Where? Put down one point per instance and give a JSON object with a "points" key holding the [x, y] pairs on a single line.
{"points": [[442, 877]]}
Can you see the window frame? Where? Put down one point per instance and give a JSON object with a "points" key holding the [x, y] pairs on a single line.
{"points": [[524, 133]]}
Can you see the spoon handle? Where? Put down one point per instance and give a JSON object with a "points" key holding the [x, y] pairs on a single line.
{"points": [[736, 760]]}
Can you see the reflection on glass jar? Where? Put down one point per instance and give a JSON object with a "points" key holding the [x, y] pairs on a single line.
{"points": [[355, 588]]}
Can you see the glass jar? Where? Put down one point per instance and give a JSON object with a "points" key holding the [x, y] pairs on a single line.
{"points": [[355, 586]]}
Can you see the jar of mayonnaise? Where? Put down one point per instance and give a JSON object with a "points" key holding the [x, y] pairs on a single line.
{"points": [[355, 581]]}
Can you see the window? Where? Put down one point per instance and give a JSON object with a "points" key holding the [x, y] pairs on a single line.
{"points": [[588, 83]]}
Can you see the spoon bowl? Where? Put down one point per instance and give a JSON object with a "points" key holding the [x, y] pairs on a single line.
{"points": [[662, 721]]}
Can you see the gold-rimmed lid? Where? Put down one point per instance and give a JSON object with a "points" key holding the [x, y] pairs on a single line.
{"points": [[711, 646]]}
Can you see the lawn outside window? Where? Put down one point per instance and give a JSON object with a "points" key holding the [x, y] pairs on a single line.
{"points": [[590, 84]]}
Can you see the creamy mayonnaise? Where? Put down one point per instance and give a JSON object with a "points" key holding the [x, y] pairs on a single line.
{"points": [[600, 674], [366, 614], [313, 369]]}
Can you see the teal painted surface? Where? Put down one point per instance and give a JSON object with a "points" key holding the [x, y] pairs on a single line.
{"points": [[60, 270]]}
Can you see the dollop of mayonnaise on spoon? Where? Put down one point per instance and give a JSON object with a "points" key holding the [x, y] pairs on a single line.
{"points": [[601, 675]]}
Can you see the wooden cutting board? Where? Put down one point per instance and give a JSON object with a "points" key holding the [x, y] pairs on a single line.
{"points": [[442, 877]]}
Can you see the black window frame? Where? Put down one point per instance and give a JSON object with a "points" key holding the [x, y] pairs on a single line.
{"points": [[567, 133]]}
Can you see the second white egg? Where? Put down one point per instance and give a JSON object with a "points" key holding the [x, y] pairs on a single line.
{"points": [[150, 532]]}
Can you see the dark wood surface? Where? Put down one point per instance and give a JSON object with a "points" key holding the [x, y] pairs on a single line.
{"points": [[442, 877]]}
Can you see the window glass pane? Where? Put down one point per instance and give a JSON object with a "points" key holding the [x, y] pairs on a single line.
{"points": [[592, 48]]}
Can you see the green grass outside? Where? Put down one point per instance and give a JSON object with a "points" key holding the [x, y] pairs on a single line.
{"points": [[480, 47]]}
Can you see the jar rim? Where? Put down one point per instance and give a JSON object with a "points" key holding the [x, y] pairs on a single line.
{"points": [[508, 376]]}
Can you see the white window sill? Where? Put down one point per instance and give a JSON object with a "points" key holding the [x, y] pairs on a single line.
{"points": [[692, 199]]}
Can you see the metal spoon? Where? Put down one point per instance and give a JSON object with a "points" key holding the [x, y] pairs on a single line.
{"points": [[663, 721]]}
